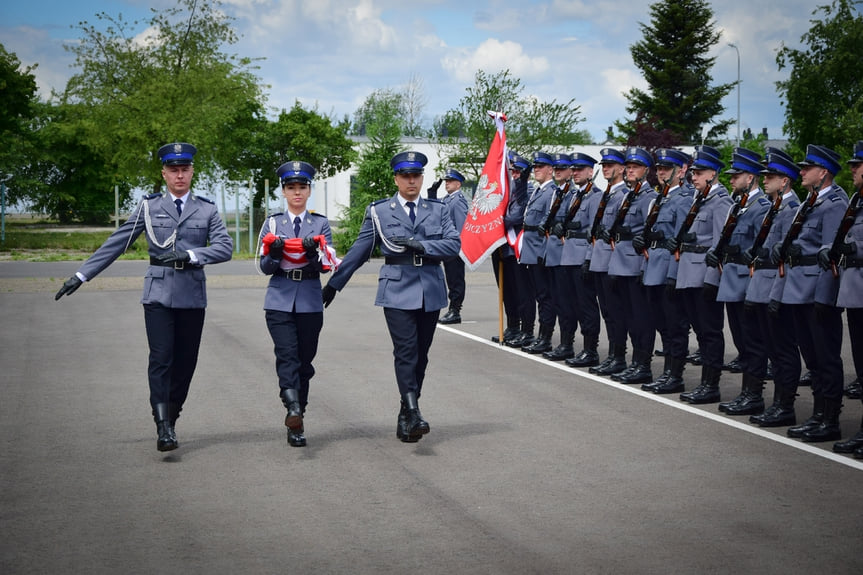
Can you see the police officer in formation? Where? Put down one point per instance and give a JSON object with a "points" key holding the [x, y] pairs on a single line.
{"points": [[453, 268], [415, 235], [293, 308], [184, 233]]}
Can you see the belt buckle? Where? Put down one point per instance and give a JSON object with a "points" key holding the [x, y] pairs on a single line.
{"points": [[296, 274], [418, 260], [179, 265]]}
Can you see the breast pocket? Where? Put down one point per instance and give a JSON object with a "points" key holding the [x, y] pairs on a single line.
{"points": [[194, 233], [163, 228]]}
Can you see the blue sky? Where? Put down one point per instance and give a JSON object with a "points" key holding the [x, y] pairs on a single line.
{"points": [[333, 53]]}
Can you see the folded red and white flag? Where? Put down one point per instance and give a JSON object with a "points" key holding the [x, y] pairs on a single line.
{"points": [[295, 255]]}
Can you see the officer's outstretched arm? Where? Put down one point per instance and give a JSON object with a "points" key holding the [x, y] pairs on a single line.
{"points": [[69, 287]]}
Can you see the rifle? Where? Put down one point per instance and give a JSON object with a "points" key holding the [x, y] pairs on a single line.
{"points": [[690, 218], [854, 206], [555, 207], [600, 212], [730, 224], [796, 226], [623, 210], [576, 203], [653, 214], [766, 224]]}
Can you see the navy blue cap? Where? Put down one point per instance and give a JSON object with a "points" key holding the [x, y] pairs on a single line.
{"points": [[671, 157], [409, 163], [561, 161], [704, 160], [177, 154], [302, 172], [518, 162], [579, 160], [777, 152], [822, 157], [639, 156], [781, 164], [709, 149], [453, 174], [542, 158], [744, 164], [858, 153], [754, 156], [611, 156]]}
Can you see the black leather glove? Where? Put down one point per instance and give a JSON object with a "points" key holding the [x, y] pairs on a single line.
{"points": [[431, 192], [69, 287], [276, 249], [824, 258], [776, 253], [558, 229], [747, 257], [310, 246], [711, 259], [795, 251], [411, 245], [525, 175], [604, 235], [710, 292], [540, 229], [848, 248], [585, 270], [328, 294], [670, 287], [671, 244], [639, 243], [172, 257], [773, 307]]}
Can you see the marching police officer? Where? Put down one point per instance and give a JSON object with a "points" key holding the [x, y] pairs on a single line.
{"points": [[292, 305], [454, 268], [415, 236], [660, 268], [184, 233]]}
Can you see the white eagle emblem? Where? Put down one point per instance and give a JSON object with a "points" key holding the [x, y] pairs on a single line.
{"points": [[486, 199]]}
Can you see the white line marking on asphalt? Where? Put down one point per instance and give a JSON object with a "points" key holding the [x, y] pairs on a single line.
{"points": [[677, 404]]}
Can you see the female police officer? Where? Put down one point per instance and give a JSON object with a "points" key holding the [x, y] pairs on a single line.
{"points": [[294, 251]]}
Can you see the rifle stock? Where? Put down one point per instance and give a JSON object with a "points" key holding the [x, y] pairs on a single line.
{"points": [[854, 205], [794, 230]]}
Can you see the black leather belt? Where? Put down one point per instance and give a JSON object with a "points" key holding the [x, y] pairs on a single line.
{"points": [[623, 236], [694, 248], [531, 228], [802, 261], [764, 265], [574, 235], [298, 274], [851, 262], [410, 260], [181, 266], [734, 259]]}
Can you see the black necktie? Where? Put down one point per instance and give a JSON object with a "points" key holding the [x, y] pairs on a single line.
{"points": [[297, 226], [412, 214], [179, 204]]}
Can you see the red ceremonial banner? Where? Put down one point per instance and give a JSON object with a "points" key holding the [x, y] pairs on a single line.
{"points": [[483, 229]]}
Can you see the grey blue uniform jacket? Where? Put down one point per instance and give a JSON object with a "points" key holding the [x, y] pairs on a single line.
{"points": [[554, 244], [200, 229], [625, 262], [705, 231], [661, 264], [535, 213], [735, 276], [457, 205], [809, 283], [284, 293], [600, 254], [405, 286], [851, 280], [765, 283], [576, 249]]}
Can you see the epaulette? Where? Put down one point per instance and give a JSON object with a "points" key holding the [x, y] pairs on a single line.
{"points": [[381, 201], [764, 201], [317, 214], [208, 200], [152, 196], [835, 198], [275, 215], [435, 200]]}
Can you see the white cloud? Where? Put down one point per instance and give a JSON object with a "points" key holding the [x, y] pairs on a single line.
{"points": [[494, 55]]}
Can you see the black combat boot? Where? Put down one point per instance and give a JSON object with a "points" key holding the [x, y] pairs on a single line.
{"points": [[751, 400], [588, 357], [453, 315], [811, 423], [708, 391], [829, 428], [513, 328], [734, 366], [780, 414], [629, 368], [695, 357], [641, 373], [605, 362], [524, 337], [674, 383], [542, 342], [854, 390], [663, 377], [165, 414], [411, 425], [294, 417], [564, 350], [850, 445], [617, 363]]}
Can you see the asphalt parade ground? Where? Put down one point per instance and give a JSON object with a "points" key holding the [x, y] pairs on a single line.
{"points": [[530, 466]]}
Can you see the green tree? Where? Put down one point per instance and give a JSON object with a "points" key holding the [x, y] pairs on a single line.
{"points": [[174, 85], [464, 134], [374, 179], [824, 90], [18, 107], [672, 55]]}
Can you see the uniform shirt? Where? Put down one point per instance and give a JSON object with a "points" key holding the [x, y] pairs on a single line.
{"points": [[705, 231], [407, 287], [660, 264], [199, 230], [735, 277], [284, 293]]}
